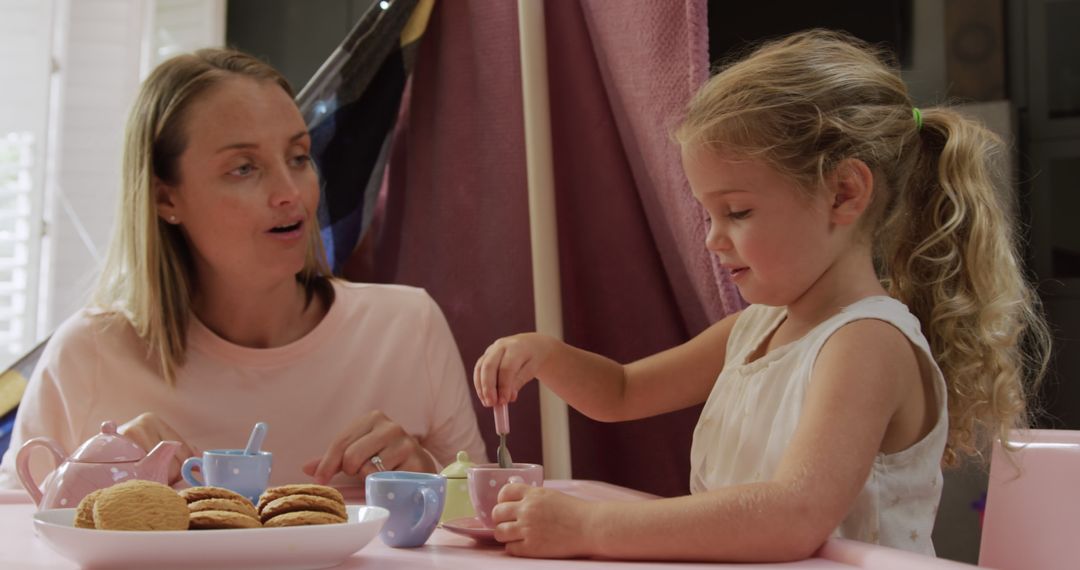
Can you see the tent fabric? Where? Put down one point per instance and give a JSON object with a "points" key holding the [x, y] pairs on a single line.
{"points": [[635, 276], [350, 107]]}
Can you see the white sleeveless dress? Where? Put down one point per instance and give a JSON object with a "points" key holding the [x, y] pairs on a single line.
{"points": [[752, 411]]}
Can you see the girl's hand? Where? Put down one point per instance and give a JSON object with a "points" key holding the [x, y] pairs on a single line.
{"points": [[352, 451], [508, 364], [541, 523], [148, 430]]}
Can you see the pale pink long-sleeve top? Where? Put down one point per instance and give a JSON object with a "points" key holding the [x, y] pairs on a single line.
{"points": [[379, 347]]}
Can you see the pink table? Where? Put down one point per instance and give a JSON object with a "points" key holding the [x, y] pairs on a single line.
{"points": [[21, 549]]}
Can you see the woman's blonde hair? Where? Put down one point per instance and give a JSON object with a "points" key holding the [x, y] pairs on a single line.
{"points": [[148, 275], [941, 218]]}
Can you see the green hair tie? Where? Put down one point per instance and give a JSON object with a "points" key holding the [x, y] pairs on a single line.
{"points": [[917, 115]]}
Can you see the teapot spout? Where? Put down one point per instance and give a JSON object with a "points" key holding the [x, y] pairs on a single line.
{"points": [[155, 466]]}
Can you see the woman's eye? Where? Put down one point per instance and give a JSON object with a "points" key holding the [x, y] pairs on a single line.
{"points": [[301, 160], [740, 215], [243, 170]]}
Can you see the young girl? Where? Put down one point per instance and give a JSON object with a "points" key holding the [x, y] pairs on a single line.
{"points": [[890, 325]]}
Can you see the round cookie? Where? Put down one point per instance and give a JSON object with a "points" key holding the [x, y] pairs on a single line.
{"points": [[324, 491], [140, 505], [84, 514], [293, 503], [207, 520], [301, 518], [244, 508], [192, 494]]}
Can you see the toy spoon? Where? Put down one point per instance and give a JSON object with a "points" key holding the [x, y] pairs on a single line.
{"points": [[255, 441], [502, 427]]}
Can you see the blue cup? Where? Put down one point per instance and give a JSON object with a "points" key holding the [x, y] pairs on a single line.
{"points": [[232, 469], [415, 502]]}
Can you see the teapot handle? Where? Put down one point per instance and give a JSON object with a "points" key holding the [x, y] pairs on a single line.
{"points": [[22, 464]]}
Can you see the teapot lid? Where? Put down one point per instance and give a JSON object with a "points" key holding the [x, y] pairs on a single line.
{"points": [[456, 470], [108, 447]]}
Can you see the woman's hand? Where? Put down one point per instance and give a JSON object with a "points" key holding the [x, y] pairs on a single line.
{"points": [[148, 430], [373, 435], [541, 523], [508, 364]]}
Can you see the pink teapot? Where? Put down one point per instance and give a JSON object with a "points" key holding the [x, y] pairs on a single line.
{"points": [[102, 461]]}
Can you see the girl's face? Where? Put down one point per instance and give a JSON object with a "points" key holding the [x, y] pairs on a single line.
{"points": [[247, 190], [767, 231]]}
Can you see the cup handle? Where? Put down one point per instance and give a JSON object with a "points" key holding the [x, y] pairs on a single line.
{"points": [[185, 470], [431, 513]]}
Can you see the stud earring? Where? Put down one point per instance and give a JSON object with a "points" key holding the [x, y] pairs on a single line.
{"points": [[172, 219]]}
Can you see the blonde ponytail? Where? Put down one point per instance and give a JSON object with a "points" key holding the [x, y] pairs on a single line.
{"points": [[950, 253]]}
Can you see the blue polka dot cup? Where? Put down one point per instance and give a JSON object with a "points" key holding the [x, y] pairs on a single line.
{"points": [[233, 469], [415, 502]]}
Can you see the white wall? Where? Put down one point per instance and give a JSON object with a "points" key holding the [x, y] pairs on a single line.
{"points": [[98, 54], [103, 49]]}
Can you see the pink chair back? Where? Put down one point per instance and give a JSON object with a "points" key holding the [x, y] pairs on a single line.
{"points": [[1032, 519]]}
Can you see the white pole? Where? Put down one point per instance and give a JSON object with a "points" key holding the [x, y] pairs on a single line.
{"points": [[554, 421]]}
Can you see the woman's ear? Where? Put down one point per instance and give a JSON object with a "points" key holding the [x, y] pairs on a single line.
{"points": [[163, 199], [852, 187]]}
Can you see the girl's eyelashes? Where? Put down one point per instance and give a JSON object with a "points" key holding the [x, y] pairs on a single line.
{"points": [[735, 215]]}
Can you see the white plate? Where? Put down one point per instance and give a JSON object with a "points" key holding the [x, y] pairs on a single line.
{"points": [[297, 547]]}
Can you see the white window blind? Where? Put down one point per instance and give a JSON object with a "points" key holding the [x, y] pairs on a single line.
{"points": [[69, 70], [25, 39], [16, 162]]}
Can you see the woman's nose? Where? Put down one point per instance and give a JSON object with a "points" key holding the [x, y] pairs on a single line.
{"points": [[284, 187]]}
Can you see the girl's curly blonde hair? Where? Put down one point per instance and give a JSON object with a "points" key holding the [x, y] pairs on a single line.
{"points": [[941, 219]]}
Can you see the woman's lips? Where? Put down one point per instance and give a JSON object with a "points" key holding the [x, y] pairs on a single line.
{"points": [[287, 232]]}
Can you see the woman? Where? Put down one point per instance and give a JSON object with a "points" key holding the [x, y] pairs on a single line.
{"points": [[215, 309]]}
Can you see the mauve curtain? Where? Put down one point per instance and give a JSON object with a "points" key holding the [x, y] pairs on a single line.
{"points": [[453, 217]]}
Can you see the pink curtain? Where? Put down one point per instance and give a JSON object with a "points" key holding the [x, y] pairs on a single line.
{"points": [[453, 218]]}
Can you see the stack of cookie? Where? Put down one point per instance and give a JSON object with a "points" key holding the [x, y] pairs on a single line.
{"points": [[305, 504], [133, 505], [217, 508]]}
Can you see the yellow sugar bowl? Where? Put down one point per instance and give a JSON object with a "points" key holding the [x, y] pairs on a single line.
{"points": [[458, 504]]}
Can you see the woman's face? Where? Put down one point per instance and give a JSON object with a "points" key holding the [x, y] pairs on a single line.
{"points": [[247, 189]]}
